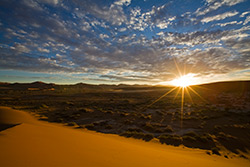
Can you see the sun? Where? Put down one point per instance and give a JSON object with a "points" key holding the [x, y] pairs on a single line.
{"points": [[184, 81]]}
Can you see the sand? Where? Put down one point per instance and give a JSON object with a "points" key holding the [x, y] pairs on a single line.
{"points": [[41, 144]]}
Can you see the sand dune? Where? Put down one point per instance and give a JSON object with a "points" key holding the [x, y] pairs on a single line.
{"points": [[35, 143]]}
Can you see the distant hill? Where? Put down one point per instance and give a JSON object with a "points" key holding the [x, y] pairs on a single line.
{"points": [[231, 86]]}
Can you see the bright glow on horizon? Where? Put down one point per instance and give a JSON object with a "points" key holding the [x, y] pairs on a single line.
{"points": [[184, 81]]}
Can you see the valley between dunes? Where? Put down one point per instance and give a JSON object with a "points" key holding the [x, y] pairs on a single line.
{"points": [[29, 142]]}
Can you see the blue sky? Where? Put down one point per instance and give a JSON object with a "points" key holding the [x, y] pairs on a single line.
{"points": [[124, 41]]}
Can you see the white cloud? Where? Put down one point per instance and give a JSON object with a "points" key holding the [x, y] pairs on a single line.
{"points": [[244, 13], [103, 36], [228, 23], [122, 29], [33, 4], [85, 26], [172, 18], [51, 2], [160, 33], [123, 2], [136, 11], [163, 25], [231, 2], [214, 5], [219, 17], [43, 50], [59, 56], [20, 47], [247, 20]]}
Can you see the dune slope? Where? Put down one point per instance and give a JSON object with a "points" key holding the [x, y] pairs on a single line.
{"points": [[35, 143]]}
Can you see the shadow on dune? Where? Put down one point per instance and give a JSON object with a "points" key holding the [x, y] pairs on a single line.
{"points": [[7, 126]]}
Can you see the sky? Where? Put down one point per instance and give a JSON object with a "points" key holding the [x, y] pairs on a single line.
{"points": [[124, 41]]}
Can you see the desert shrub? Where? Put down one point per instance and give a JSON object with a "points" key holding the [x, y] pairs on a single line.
{"points": [[43, 118], [215, 150], [208, 152], [160, 112], [149, 127], [108, 127], [205, 138], [90, 126], [128, 122], [193, 140], [217, 128], [42, 106], [69, 103], [189, 139], [204, 118], [148, 137], [170, 139], [134, 130], [192, 134], [143, 116], [109, 112], [170, 113], [86, 110], [123, 114], [71, 124], [138, 135], [168, 129], [158, 130]]}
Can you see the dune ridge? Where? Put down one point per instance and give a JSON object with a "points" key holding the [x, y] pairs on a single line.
{"points": [[36, 143]]}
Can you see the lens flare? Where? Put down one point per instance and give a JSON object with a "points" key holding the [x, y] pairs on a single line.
{"points": [[184, 81]]}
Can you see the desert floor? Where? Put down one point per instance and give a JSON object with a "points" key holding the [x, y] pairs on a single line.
{"points": [[26, 141]]}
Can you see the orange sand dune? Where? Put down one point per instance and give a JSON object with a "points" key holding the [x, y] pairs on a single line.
{"points": [[36, 143]]}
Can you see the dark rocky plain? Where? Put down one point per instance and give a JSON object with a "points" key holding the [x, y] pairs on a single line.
{"points": [[216, 116]]}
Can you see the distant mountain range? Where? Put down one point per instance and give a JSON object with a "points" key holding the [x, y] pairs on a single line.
{"points": [[217, 86]]}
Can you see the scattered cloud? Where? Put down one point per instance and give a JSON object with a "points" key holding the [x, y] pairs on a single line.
{"points": [[212, 5], [43, 50], [219, 17], [123, 2], [245, 13], [124, 40], [247, 20], [51, 2], [228, 23], [104, 36]]}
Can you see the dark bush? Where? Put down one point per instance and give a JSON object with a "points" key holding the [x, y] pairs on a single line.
{"points": [[168, 129], [170, 139], [71, 124], [90, 126], [215, 150], [192, 134], [188, 139], [148, 127], [138, 135], [134, 130], [108, 127]]}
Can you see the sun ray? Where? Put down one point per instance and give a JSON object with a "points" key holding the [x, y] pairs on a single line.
{"points": [[201, 87], [177, 67], [159, 98], [182, 82], [177, 93], [184, 70], [189, 94], [182, 104], [197, 94]]}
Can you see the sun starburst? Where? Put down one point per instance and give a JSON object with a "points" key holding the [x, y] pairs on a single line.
{"points": [[183, 82]]}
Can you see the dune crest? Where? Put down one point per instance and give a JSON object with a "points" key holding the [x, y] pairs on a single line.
{"points": [[36, 143]]}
